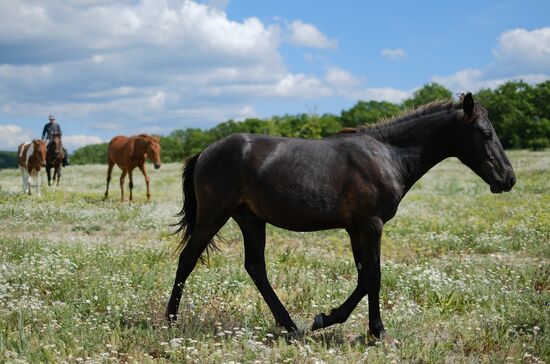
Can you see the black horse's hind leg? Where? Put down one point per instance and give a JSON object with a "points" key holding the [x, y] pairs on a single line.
{"points": [[365, 245], [189, 256], [253, 230]]}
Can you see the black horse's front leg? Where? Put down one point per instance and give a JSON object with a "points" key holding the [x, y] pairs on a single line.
{"points": [[365, 243]]}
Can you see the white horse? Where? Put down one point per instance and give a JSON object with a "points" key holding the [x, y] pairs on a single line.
{"points": [[32, 157]]}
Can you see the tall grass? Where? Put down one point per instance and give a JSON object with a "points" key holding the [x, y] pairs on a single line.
{"points": [[466, 277]]}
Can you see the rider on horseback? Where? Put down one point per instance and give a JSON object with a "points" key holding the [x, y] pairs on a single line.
{"points": [[47, 135]]}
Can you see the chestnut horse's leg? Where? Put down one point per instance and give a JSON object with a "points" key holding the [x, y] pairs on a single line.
{"points": [[253, 230], [144, 171], [109, 172], [130, 183], [122, 176], [365, 245]]}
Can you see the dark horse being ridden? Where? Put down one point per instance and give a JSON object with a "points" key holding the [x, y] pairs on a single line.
{"points": [[353, 180], [54, 158]]}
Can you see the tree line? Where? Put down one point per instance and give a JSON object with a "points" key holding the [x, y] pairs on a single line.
{"points": [[520, 114]]}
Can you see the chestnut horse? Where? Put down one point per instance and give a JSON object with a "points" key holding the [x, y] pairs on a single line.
{"points": [[353, 181], [54, 158], [31, 158], [129, 153]]}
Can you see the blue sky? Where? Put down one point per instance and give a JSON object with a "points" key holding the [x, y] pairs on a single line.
{"points": [[124, 67]]}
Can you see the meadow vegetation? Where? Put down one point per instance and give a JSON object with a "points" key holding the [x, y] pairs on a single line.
{"points": [[465, 277]]}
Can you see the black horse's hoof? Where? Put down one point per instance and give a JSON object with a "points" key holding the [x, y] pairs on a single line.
{"points": [[376, 335], [170, 317], [318, 322], [293, 335]]}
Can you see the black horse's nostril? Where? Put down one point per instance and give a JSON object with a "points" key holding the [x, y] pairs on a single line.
{"points": [[512, 182]]}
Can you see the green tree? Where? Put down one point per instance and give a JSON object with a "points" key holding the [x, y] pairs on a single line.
{"points": [[428, 93], [192, 140], [91, 154], [510, 112], [368, 112], [171, 150], [8, 159]]}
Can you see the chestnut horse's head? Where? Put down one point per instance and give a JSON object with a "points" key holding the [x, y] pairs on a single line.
{"points": [[479, 148], [40, 151], [153, 151]]}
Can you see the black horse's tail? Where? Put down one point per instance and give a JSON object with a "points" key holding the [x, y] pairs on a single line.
{"points": [[188, 213]]}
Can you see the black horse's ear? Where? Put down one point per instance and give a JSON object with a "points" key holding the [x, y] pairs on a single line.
{"points": [[468, 104]]}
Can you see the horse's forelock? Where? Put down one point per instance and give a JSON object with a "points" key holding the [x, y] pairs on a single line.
{"points": [[150, 139]]}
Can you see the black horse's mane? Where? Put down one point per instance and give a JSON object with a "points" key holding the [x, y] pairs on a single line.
{"points": [[388, 123], [414, 113]]}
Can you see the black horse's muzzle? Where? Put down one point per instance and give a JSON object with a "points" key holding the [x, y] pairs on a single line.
{"points": [[504, 185]]}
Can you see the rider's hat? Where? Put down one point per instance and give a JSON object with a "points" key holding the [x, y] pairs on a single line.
{"points": [[51, 117]]}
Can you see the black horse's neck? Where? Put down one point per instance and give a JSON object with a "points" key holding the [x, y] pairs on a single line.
{"points": [[418, 141]]}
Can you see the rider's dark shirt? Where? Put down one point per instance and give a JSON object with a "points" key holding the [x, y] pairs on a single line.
{"points": [[50, 129]]}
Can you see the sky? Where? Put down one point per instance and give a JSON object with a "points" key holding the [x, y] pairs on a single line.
{"points": [[106, 67]]}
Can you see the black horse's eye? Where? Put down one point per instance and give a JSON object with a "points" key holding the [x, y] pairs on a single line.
{"points": [[487, 134]]}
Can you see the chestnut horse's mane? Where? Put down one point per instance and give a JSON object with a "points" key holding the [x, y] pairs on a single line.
{"points": [[149, 138]]}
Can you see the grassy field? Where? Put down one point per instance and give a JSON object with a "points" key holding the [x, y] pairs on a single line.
{"points": [[465, 277]]}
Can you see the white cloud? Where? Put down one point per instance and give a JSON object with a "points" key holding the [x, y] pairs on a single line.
{"points": [[300, 85], [107, 126], [397, 53], [291, 85], [71, 142], [384, 94], [462, 81], [520, 55], [12, 135], [525, 50], [120, 66], [472, 80], [115, 47], [341, 78], [307, 35]]}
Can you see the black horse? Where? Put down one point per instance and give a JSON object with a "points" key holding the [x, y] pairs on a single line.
{"points": [[54, 158], [353, 180]]}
